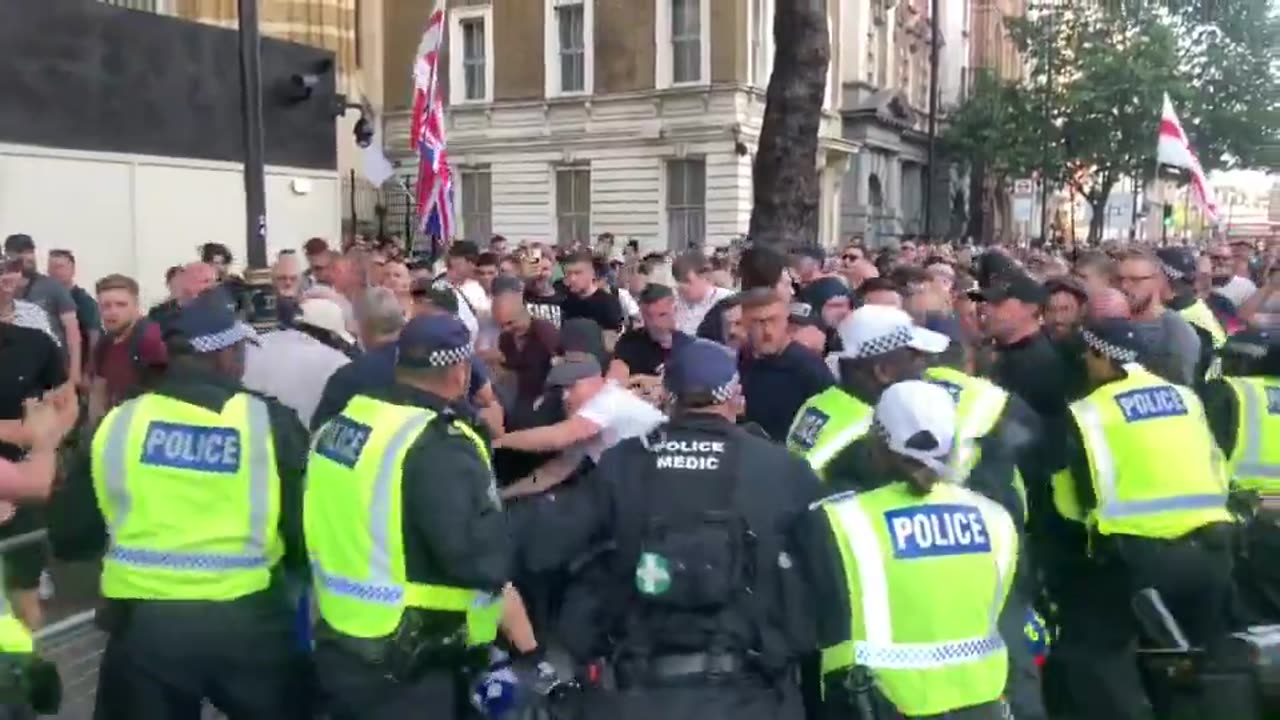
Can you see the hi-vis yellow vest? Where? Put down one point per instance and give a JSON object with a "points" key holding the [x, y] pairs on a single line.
{"points": [[1155, 468], [1199, 315], [1255, 460], [15, 638], [353, 517], [979, 403], [929, 653], [191, 498], [828, 423]]}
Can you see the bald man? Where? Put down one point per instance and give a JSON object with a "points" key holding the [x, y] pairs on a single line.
{"points": [[1107, 302]]}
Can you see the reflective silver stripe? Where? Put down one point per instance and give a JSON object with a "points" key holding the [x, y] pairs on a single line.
{"points": [[1104, 470], [380, 586], [1249, 463], [115, 462], [986, 409], [826, 451], [259, 477]]}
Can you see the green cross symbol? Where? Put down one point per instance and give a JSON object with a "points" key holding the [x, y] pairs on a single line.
{"points": [[652, 576]]}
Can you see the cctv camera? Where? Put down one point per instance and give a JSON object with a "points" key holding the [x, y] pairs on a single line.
{"points": [[302, 86]]}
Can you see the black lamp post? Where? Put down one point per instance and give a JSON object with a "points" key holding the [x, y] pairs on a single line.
{"points": [[262, 310]]}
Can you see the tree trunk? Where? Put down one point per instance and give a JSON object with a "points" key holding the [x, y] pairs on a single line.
{"points": [[1098, 212], [977, 201], [787, 190]]}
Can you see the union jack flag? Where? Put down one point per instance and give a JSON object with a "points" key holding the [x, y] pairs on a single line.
{"points": [[435, 178]]}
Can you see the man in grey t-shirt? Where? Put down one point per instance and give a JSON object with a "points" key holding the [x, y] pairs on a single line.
{"points": [[1172, 346], [53, 298]]}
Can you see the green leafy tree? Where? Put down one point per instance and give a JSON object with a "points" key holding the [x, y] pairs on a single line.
{"points": [[995, 135], [1103, 69]]}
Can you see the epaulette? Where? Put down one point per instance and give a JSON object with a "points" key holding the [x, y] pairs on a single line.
{"points": [[838, 497]]}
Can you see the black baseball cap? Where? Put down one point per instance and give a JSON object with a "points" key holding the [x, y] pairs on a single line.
{"points": [[1011, 286]]}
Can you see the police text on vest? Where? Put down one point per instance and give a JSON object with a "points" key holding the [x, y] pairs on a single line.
{"points": [[342, 440], [937, 530], [688, 454], [192, 447], [1151, 403]]}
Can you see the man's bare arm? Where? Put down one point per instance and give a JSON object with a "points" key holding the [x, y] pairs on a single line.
{"points": [[548, 475], [550, 438]]}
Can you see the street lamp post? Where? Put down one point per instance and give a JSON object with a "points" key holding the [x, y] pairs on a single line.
{"points": [[257, 276], [931, 170]]}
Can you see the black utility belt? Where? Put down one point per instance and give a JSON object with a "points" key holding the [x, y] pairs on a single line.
{"points": [[690, 668], [403, 658]]}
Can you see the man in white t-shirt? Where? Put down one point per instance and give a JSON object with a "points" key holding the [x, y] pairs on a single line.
{"points": [[696, 293], [473, 302], [601, 413]]}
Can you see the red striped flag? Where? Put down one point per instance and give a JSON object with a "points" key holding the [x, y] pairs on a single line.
{"points": [[1174, 149], [427, 133]]}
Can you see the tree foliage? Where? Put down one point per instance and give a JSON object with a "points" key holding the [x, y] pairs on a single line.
{"points": [[1098, 74]]}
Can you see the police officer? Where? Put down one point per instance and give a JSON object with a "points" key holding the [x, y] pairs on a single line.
{"points": [[689, 600], [1142, 504], [907, 580], [407, 539], [194, 491], [1179, 267], [881, 346], [995, 432], [1243, 409]]}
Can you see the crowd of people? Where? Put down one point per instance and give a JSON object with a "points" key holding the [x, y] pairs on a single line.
{"points": [[577, 363]]}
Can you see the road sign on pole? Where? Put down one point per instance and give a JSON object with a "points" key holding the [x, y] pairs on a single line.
{"points": [[1024, 187]]}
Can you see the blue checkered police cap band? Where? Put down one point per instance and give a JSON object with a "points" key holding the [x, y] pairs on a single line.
{"points": [[224, 339], [438, 358], [721, 394], [1170, 271], [899, 338], [1109, 349]]}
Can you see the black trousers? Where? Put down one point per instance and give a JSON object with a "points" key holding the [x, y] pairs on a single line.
{"points": [[163, 660], [1094, 662], [353, 690]]}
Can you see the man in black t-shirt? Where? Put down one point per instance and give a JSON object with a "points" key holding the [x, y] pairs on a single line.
{"points": [[588, 298], [643, 352], [541, 296], [31, 365]]}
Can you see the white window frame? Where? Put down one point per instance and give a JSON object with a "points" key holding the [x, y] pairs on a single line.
{"points": [[457, 72], [462, 199], [664, 188], [760, 68], [664, 65], [574, 167], [551, 47]]}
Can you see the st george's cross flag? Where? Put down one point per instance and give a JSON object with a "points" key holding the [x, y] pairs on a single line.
{"points": [[427, 133], [1174, 149]]}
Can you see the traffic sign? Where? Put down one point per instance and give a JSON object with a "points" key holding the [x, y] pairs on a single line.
{"points": [[1024, 186]]}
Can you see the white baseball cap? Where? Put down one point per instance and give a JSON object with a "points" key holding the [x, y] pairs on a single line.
{"points": [[918, 420], [324, 314], [877, 329]]}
